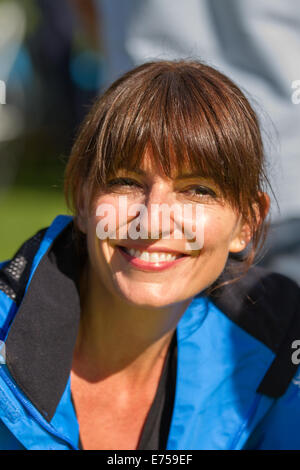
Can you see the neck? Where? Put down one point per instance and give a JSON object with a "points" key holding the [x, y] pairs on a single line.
{"points": [[118, 337]]}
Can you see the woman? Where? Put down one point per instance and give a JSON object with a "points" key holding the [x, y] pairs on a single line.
{"points": [[144, 334]]}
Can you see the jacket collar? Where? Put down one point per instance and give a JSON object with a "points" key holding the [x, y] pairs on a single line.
{"points": [[41, 340]]}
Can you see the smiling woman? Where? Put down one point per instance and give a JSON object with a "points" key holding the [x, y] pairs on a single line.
{"points": [[139, 328], [191, 118]]}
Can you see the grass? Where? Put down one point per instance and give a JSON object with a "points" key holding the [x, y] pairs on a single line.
{"points": [[23, 211], [30, 204]]}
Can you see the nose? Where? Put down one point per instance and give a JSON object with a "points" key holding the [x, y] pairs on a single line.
{"points": [[153, 216]]}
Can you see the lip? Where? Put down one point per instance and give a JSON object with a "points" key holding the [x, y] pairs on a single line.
{"points": [[152, 248], [153, 267]]}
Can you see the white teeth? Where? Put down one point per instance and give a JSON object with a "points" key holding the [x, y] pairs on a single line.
{"points": [[152, 257], [145, 256]]}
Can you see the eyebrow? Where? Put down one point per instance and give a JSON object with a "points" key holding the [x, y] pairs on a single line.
{"points": [[141, 172], [189, 175]]}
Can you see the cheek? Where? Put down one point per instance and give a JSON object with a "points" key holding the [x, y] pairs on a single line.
{"points": [[103, 218], [218, 229], [101, 260]]}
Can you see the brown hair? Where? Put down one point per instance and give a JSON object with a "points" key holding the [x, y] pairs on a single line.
{"points": [[190, 114]]}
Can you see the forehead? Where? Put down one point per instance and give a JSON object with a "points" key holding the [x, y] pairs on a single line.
{"points": [[151, 166]]}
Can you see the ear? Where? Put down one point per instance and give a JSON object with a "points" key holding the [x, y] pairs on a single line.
{"points": [[243, 231], [82, 210], [241, 238]]}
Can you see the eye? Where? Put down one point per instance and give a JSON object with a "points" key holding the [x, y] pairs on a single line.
{"points": [[200, 192], [124, 182]]}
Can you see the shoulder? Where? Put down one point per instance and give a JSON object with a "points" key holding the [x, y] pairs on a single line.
{"points": [[16, 272], [279, 428], [262, 302], [267, 306]]}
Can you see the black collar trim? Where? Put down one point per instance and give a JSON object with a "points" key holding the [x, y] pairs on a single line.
{"points": [[42, 337]]}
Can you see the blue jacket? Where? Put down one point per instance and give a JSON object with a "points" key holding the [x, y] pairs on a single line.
{"points": [[237, 386]]}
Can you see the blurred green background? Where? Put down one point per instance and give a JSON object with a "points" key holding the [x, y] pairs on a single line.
{"points": [[31, 203], [52, 71]]}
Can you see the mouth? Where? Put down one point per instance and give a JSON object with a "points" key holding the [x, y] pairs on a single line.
{"points": [[151, 260]]}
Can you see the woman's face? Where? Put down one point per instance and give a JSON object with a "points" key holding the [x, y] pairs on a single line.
{"points": [[170, 265]]}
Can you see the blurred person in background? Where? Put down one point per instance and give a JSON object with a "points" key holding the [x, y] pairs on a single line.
{"points": [[256, 43], [64, 64]]}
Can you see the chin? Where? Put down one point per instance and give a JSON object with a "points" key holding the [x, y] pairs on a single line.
{"points": [[148, 297]]}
